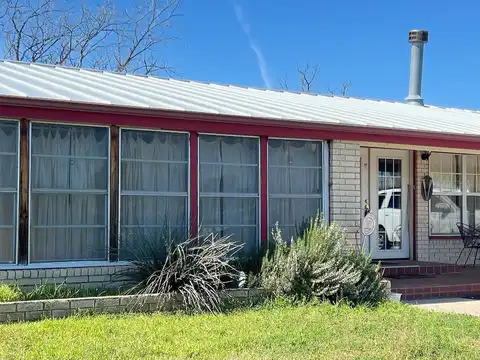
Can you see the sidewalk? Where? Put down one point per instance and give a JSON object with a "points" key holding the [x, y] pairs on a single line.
{"points": [[454, 305]]}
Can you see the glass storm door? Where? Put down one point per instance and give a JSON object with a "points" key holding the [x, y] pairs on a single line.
{"points": [[389, 179]]}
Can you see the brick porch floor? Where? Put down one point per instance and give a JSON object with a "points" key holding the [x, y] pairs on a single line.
{"points": [[454, 282], [410, 267]]}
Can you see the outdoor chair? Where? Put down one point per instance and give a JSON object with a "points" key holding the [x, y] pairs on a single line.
{"points": [[471, 240]]}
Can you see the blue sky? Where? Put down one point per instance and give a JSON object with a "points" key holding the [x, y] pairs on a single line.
{"points": [[362, 41], [254, 42]]}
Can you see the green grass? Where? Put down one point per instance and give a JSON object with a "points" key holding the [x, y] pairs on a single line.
{"points": [[392, 331]]}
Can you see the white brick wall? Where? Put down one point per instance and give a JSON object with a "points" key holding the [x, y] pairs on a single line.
{"points": [[345, 187]]}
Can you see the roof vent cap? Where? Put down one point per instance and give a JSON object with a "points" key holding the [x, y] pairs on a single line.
{"points": [[416, 36]]}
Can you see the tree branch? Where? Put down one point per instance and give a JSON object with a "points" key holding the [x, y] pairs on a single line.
{"points": [[308, 76], [47, 31]]}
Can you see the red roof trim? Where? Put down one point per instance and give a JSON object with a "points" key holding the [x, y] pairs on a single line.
{"points": [[182, 121]]}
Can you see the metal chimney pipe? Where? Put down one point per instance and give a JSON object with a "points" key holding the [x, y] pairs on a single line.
{"points": [[417, 38]]}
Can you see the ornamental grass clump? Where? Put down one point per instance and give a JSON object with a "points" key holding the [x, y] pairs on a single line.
{"points": [[192, 270], [320, 265], [9, 293]]}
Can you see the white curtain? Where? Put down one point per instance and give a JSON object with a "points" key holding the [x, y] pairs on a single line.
{"points": [[8, 189], [295, 179], [154, 184], [229, 187], [69, 181]]}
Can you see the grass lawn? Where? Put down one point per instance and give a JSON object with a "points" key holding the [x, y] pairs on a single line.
{"points": [[392, 331]]}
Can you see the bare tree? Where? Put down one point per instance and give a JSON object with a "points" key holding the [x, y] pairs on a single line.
{"points": [[98, 36], [342, 90], [308, 76], [283, 82]]}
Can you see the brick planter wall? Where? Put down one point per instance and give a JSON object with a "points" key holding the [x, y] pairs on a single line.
{"points": [[60, 308], [85, 277]]}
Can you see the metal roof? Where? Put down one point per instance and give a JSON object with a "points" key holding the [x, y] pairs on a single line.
{"points": [[47, 82]]}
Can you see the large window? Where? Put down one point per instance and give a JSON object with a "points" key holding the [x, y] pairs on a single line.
{"points": [[8, 190], [153, 186], [69, 193], [456, 192], [295, 183], [229, 187]]}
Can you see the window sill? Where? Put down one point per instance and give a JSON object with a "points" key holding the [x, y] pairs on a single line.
{"points": [[445, 237], [63, 265]]}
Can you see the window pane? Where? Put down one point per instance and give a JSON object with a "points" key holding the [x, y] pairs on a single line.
{"points": [[154, 162], [473, 210], [228, 211], [447, 163], [8, 137], [290, 213], [381, 199], [163, 211], [229, 179], [68, 209], [445, 212], [68, 226], [63, 140], [299, 181], [9, 171], [457, 164], [228, 150], [69, 173], [294, 153], [435, 163], [154, 177], [154, 145], [7, 245], [237, 217], [8, 204], [68, 244], [471, 163], [295, 175], [229, 166], [248, 236], [8, 190], [135, 240]]}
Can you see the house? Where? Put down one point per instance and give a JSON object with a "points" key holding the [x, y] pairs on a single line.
{"points": [[89, 157]]}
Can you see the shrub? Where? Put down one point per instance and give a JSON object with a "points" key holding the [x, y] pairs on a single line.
{"points": [[9, 293], [321, 265], [197, 269]]}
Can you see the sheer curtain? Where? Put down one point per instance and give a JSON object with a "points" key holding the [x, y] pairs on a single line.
{"points": [[229, 187], [154, 184], [295, 177], [69, 187], [8, 190]]}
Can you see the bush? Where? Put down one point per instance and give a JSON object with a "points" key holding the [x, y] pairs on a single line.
{"points": [[321, 265], [9, 293], [197, 269]]}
